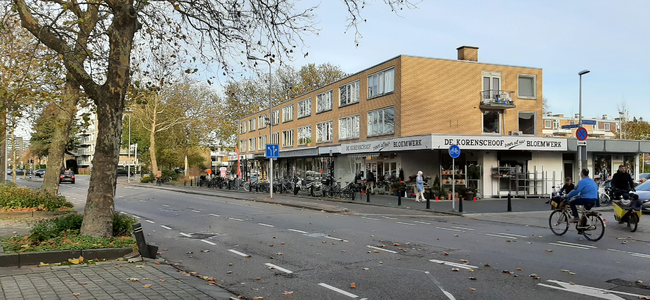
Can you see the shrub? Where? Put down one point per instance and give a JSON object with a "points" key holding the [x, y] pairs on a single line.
{"points": [[122, 225], [170, 173], [18, 198], [47, 229], [147, 179]]}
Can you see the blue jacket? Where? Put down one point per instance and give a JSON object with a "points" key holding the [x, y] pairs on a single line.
{"points": [[587, 188], [419, 183]]}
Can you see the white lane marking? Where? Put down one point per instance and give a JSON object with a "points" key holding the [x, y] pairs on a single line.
{"points": [[370, 218], [587, 290], [208, 242], [448, 294], [336, 239], [579, 245], [461, 228], [409, 224], [501, 236], [235, 219], [296, 230], [166, 227], [278, 268], [422, 222], [136, 217], [196, 211], [640, 255], [120, 212], [510, 234], [185, 234], [631, 253], [448, 229], [165, 205], [214, 215], [453, 264], [338, 290], [152, 222], [382, 249], [570, 246], [389, 218], [267, 225], [239, 253]]}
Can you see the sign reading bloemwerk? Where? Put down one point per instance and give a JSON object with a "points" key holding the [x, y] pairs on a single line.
{"points": [[500, 143], [397, 144]]}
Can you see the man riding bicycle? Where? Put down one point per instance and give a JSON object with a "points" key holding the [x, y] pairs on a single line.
{"points": [[588, 191], [622, 183]]}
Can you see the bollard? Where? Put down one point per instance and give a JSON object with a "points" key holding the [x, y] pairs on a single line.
{"points": [[139, 238], [367, 196], [257, 188], [191, 182], [509, 202], [353, 194], [311, 191], [184, 183], [430, 194], [429, 203], [399, 199], [460, 204]]}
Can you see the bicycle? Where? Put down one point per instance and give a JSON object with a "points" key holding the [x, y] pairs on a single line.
{"points": [[590, 221]]}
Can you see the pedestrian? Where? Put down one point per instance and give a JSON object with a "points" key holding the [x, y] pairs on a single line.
{"points": [[419, 184], [371, 182]]}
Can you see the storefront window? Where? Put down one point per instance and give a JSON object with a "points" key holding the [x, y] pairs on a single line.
{"points": [[602, 166], [491, 122], [629, 163]]}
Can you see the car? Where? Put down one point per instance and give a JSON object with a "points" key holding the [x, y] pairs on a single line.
{"points": [[124, 172], [18, 172], [643, 177], [643, 190], [67, 176], [40, 173]]}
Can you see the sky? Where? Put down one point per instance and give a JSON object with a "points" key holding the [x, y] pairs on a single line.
{"points": [[609, 38]]}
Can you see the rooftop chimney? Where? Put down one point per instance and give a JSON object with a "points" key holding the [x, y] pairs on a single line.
{"points": [[467, 53]]}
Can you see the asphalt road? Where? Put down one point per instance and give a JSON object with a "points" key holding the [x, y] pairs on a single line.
{"points": [[264, 250]]}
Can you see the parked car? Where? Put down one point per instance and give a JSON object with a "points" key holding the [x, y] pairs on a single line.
{"points": [[643, 190], [40, 173], [18, 171], [643, 177], [67, 176], [124, 172]]}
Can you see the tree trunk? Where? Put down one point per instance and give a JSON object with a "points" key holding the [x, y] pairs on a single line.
{"points": [[3, 144], [65, 115], [152, 147]]}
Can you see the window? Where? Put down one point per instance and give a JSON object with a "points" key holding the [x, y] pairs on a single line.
{"points": [[556, 124], [261, 142], [381, 121], [251, 124], [275, 138], [287, 113], [349, 127], [251, 144], [349, 93], [242, 145], [491, 85], [261, 121], [527, 86], [381, 83], [242, 127], [304, 108], [527, 122], [608, 127], [324, 132], [491, 121], [324, 101], [548, 123], [276, 117], [287, 138], [304, 135]]}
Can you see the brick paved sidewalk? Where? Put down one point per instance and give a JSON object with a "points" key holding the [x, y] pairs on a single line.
{"points": [[107, 280]]}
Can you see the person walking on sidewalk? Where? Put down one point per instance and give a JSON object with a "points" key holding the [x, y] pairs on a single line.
{"points": [[419, 185], [371, 182]]}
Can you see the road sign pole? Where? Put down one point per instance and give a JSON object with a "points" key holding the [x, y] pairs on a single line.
{"points": [[453, 184]]}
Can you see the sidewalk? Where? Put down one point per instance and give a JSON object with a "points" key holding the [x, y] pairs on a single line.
{"points": [[104, 281]]}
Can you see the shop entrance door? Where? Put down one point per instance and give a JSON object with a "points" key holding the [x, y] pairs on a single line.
{"points": [[568, 171]]}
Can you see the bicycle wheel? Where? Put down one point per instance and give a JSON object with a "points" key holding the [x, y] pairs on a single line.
{"points": [[596, 228], [605, 200], [247, 186], [558, 222], [633, 222]]}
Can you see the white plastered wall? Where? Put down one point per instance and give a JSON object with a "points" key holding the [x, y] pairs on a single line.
{"points": [[426, 161], [550, 163]]}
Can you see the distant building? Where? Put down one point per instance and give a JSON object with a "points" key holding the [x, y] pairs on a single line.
{"points": [[604, 128], [86, 149], [19, 144]]}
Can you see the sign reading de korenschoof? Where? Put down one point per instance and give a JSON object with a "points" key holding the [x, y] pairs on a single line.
{"points": [[396, 144]]}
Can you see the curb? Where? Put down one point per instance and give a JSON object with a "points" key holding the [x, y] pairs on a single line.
{"points": [[35, 258], [34, 214]]}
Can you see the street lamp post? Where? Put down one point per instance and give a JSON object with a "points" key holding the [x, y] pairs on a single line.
{"points": [[268, 141], [580, 148]]}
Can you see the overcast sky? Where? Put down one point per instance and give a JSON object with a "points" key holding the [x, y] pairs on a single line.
{"points": [[610, 38]]}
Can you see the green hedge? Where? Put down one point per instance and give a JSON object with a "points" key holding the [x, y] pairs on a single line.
{"points": [[47, 229], [18, 198], [147, 179]]}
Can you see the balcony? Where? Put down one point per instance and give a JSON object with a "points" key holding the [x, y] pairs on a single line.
{"points": [[496, 99]]}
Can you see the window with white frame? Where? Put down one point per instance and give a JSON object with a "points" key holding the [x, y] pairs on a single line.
{"points": [[349, 127], [261, 142], [608, 126], [251, 124], [275, 120], [261, 121], [242, 145], [275, 138], [287, 113], [381, 83], [304, 135], [324, 101], [548, 123], [242, 127], [556, 124], [349, 93], [381, 121], [527, 86], [325, 132], [287, 138], [304, 108], [251, 144]]}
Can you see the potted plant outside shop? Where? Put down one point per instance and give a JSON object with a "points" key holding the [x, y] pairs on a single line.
{"points": [[470, 194], [395, 188], [461, 190]]}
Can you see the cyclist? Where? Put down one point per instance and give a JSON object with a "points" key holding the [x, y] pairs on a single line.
{"points": [[588, 191], [568, 186], [622, 183]]}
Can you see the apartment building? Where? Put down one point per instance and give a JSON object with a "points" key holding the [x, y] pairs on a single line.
{"points": [[86, 149], [556, 125], [403, 114]]}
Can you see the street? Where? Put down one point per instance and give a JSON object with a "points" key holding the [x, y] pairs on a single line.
{"points": [[264, 250]]}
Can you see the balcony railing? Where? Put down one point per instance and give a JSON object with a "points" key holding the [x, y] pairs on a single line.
{"points": [[497, 99]]}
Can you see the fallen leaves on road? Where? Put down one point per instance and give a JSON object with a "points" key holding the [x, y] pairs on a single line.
{"points": [[487, 265], [190, 252], [549, 250], [147, 286], [455, 270], [258, 279], [76, 294], [565, 271], [43, 265], [472, 289], [165, 249], [282, 244], [464, 261], [205, 251], [472, 278], [258, 298], [446, 254], [353, 285], [571, 273], [534, 276], [366, 269], [162, 280], [508, 241], [229, 272], [133, 279], [156, 263], [571, 283], [270, 245], [396, 244], [639, 281], [624, 242], [288, 293], [518, 269], [381, 246]]}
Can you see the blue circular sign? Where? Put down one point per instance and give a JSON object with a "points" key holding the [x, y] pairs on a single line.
{"points": [[454, 151], [582, 133]]}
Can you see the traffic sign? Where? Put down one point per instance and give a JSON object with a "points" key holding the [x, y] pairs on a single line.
{"points": [[582, 143], [272, 150], [454, 151], [588, 122], [570, 126], [582, 133]]}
